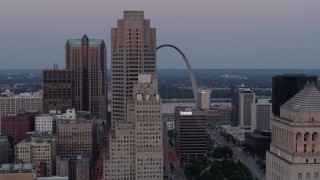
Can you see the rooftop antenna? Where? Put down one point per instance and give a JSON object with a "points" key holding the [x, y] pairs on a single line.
{"points": [[55, 66], [48, 59]]}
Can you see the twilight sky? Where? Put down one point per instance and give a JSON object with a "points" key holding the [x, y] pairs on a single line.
{"points": [[212, 33]]}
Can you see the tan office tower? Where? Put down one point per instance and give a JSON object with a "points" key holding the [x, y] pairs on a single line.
{"points": [[294, 150], [136, 145], [87, 59], [133, 51]]}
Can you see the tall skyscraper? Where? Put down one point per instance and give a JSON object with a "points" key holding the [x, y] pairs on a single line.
{"points": [[136, 144], [191, 142], [235, 104], [294, 150], [87, 60], [57, 90], [287, 85], [133, 52], [245, 99]]}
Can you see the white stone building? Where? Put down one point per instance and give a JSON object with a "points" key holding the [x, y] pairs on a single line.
{"points": [[294, 151], [204, 98], [136, 146], [47, 122]]}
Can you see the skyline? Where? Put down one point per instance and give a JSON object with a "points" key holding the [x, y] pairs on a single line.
{"points": [[262, 35]]}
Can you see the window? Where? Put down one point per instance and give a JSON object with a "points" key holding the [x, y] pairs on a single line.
{"points": [[308, 176], [300, 176], [316, 175]]}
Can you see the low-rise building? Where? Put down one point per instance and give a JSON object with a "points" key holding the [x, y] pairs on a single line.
{"points": [[258, 142], [46, 123], [17, 125], [38, 149], [76, 137], [12, 103], [76, 168], [219, 114], [18, 171]]}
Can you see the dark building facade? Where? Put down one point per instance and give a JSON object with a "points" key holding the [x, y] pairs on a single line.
{"points": [[258, 142], [57, 90], [17, 125], [190, 133], [286, 86], [87, 60]]}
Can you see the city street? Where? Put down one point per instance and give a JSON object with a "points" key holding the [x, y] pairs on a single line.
{"points": [[238, 154]]}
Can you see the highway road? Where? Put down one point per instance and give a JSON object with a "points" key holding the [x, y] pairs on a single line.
{"points": [[238, 154]]}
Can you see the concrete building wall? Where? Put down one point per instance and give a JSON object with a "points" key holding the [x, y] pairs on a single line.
{"points": [[136, 145], [246, 98], [204, 98], [13, 103], [76, 137], [260, 116], [294, 149], [62, 166], [45, 123], [38, 149]]}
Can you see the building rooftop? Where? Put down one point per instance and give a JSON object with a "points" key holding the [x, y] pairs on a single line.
{"points": [[8, 94], [78, 42], [307, 100], [17, 168]]}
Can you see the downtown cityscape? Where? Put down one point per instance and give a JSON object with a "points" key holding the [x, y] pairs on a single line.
{"points": [[117, 109]]}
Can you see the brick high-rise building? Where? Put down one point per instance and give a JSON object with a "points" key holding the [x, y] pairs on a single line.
{"points": [[17, 125], [133, 52], [87, 60], [57, 90]]}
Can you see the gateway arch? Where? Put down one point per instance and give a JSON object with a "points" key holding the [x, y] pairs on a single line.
{"points": [[193, 80]]}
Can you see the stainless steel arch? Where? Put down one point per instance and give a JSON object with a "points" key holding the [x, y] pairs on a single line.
{"points": [[193, 80]]}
